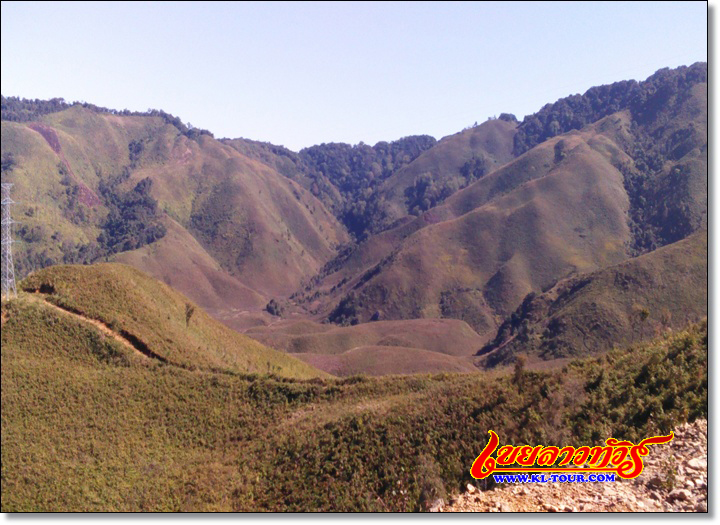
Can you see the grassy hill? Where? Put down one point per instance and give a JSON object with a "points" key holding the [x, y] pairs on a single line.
{"points": [[575, 203], [88, 425], [446, 336], [453, 163], [632, 301], [375, 360], [92, 184], [377, 348], [147, 317]]}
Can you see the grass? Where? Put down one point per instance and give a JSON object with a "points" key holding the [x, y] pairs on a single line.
{"points": [[446, 336], [154, 315], [635, 300], [387, 360], [88, 425]]}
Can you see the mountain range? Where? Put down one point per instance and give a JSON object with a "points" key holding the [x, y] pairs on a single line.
{"points": [[199, 321], [417, 254]]}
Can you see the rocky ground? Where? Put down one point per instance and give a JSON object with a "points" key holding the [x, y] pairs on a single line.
{"points": [[674, 480]]}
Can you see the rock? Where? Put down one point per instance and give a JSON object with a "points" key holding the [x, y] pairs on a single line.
{"points": [[701, 507], [550, 508], [655, 481], [437, 505], [471, 488], [640, 505], [689, 484], [568, 508], [679, 494], [696, 464]]}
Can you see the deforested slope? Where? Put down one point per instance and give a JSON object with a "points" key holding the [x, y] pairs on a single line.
{"points": [[93, 184]]}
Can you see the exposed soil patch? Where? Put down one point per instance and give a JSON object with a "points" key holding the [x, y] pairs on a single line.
{"points": [[87, 196], [48, 134]]}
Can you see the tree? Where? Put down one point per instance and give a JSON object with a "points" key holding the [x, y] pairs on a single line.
{"points": [[189, 311]]}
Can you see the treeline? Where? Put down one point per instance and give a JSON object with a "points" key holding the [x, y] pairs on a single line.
{"points": [[343, 177], [357, 172], [16, 109], [644, 99]]}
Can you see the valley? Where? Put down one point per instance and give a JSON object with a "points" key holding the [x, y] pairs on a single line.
{"points": [[223, 324]]}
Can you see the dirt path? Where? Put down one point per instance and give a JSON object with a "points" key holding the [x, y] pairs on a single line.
{"points": [[129, 341]]}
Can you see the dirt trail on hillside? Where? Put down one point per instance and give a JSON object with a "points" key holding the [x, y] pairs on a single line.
{"points": [[674, 480], [128, 340]]}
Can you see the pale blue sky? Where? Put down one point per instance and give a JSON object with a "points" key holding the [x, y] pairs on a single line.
{"points": [[299, 74]]}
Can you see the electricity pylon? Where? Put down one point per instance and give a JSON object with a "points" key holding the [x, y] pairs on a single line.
{"points": [[8, 268]]}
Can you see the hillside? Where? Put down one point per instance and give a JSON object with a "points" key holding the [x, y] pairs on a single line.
{"points": [[347, 179], [589, 314], [146, 316], [454, 163], [578, 202], [377, 348], [92, 184], [387, 360], [446, 336], [89, 426], [407, 232]]}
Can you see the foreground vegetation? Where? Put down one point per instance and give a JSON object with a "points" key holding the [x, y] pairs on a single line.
{"points": [[88, 425]]}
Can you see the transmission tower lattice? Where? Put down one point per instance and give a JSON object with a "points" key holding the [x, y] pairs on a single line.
{"points": [[8, 268]]}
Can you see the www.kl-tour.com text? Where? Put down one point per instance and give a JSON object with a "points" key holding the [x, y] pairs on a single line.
{"points": [[553, 478]]}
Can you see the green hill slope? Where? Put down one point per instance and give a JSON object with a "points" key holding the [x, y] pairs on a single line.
{"points": [[92, 184], [152, 319], [87, 426], [635, 300]]}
